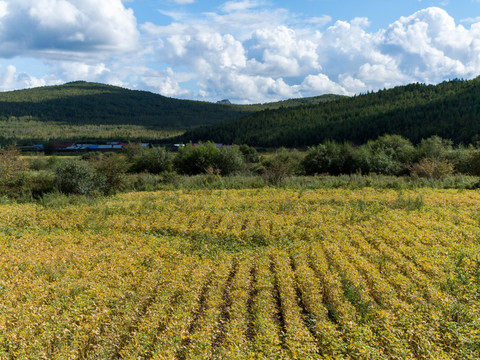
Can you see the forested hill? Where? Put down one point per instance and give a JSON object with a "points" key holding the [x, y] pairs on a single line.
{"points": [[450, 109], [83, 103]]}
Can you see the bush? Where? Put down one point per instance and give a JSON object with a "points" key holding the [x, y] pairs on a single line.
{"points": [[434, 148], [389, 155], [208, 158], [229, 160], [249, 153], [379, 162], [432, 168], [76, 177], [330, 158], [282, 164], [12, 172], [152, 160], [40, 182], [111, 168], [11, 165], [467, 161], [43, 163]]}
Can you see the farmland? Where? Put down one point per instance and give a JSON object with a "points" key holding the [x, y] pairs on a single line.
{"points": [[243, 274]]}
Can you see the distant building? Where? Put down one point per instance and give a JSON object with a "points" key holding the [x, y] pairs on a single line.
{"points": [[109, 146]]}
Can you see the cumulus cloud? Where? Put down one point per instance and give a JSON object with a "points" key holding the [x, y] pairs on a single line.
{"points": [[246, 50], [321, 84], [280, 52], [429, 46], [71, 71], [166, 82], [274, 61], [66, 28], [10, 79]]}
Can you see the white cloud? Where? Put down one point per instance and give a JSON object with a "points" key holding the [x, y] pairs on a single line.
{"points": [[319, 20], [321, 84], [471, 20], [60, 28], [279, 52], [10, 79], [166, 82], [430, 47], [81, 71], [3, 9], [247, 51], [233, 6], [274, 60]]}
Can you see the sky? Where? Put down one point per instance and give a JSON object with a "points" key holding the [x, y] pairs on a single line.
{"points": [[247, 51]]}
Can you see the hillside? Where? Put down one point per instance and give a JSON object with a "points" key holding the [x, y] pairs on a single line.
{"points": [[450, 110], [91, 103], [82, 110]]}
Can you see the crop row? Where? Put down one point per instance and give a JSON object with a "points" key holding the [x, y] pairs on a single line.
{"points": [[242, 274]]}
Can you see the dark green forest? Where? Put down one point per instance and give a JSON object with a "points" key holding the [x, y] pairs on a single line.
{"points": [[85, 103], [81, 111], [450, 110]]}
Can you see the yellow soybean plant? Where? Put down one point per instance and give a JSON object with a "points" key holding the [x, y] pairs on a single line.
{"points": [[243, 274]]}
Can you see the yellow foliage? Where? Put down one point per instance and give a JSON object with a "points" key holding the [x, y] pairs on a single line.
{"points": [[243, 274]]}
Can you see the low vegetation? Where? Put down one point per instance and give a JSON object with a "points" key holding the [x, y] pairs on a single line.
{"points": [[389, 161], [240, 274]]}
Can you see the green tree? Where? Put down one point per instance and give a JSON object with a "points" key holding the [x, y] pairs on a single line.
{"points": [[389, 154], [332, 158], [76, 177], [434, 147], [282, 164], [111, 168], [153, 160], [207, 157]]}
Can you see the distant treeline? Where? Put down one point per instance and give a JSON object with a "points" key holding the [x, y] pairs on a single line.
{"points": [[141, 168], [450, 110]]}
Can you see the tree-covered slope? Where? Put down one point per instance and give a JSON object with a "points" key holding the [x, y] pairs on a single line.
{"points": [[82, 103], [93, 103], [450, 110], [82, 111]]}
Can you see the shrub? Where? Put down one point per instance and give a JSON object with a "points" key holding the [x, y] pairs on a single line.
{"points": [[282, 164], [40, 182], [332, 158], [11, 165], [250, 154], [434, 147], [111, 168], [467, 161], [229, 160], [153, 160], [208, 158], [432, 168], [12, 172], [132, 150], [76, 177], [389, 155]]}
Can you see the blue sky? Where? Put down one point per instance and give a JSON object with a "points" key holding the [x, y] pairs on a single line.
{"points": [[248, 51]]}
